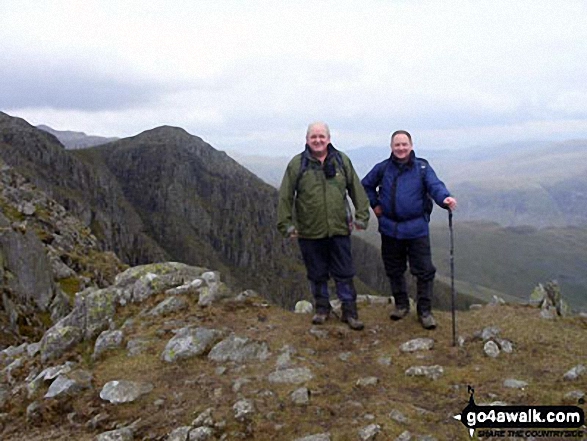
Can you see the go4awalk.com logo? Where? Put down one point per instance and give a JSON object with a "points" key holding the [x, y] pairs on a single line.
{"points": [[522, 421]]}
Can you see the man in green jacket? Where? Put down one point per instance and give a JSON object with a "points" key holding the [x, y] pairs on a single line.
{"points": [[313, 207]]}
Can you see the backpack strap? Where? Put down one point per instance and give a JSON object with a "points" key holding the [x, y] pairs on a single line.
{"points": [[305, 161]]}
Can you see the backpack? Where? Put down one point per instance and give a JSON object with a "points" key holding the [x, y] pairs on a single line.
{"points": [[422, 164]]}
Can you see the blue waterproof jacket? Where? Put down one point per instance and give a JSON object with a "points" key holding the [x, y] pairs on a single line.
{"points": [[402, 191]]}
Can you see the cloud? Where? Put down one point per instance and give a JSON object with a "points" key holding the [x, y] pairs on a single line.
{"points": [[251, 75]]}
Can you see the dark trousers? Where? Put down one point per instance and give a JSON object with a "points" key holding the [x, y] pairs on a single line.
{"points": [[396, 253], [325, 258]]}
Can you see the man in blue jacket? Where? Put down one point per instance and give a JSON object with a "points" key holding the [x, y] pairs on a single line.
{"points": [[399, 191]]}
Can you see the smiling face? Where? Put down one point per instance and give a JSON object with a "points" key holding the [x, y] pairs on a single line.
{"points": [[318, 138], [401, 146]]}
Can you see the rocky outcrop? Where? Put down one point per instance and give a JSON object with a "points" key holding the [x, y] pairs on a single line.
{"points": [[46, 256]]}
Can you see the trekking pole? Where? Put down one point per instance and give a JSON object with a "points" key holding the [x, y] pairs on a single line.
{"points": [[452, 279]]}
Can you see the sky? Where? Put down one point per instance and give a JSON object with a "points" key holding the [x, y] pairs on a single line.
{"points": [[250, 75]]}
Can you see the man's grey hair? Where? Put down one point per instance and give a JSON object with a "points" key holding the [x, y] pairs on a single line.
{"points": [[318, 123]]}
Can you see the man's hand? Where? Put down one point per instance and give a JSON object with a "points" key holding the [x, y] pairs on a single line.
{"points": [[451, 203], [378, 211]]}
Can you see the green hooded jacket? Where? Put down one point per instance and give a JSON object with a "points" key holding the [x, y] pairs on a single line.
{"points": [[319, 208]]}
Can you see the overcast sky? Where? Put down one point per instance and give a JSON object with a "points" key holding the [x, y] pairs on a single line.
{"points": [[250, 75]]}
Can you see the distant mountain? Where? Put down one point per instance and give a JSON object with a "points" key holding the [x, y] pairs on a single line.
{"points": [[167, 195], [76, 140]]}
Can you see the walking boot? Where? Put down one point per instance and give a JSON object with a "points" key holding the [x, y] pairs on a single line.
{"points": [[427, 321], [400, 296], [351, 317], [424, 306], [321, 301]]}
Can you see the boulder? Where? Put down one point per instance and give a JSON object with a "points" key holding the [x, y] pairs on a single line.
{"points": [[190, 342], [122, 391], [239, 350]]}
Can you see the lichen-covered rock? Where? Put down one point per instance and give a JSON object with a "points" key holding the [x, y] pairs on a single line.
{"points": [[239, 349], [291, 376], [142, 281], [124, 434], [107, 340], [212, 293], [370, 432], [169, 305], [58, 339], [301, 396], [243, 410], [417, 344], [201, 434], [432, 372], [123, 391], [179, 434], [189, 342]]}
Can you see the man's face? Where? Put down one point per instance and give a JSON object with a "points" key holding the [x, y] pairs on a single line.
{"points": [[318, 140], [401, 147]]}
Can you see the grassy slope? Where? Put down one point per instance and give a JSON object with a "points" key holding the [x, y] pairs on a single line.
{"points": [[337, 404]]}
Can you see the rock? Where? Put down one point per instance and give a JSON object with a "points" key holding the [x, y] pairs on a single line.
{"points": [[488, 333], [239, 350], [107, 340], [201, 434], [575, 373], [142, 281], [399, 417], [190, 288], [48, 374], [59, 339], [70, 383], [491, 349], [303, 307], [345, 356], [122, 391], [124, 434], [432, 372], [179, 434], [243, 410], [367, 381], [3, 396], [417, 344], [301, 396], [404, 436], [370, 432], [33, 412], [204, 419], [548, 313], [292, 376], [169, 305], [570, 397], [238, 384], [93, 310], [283, 361], [496, 300], [426, 438], [33, 349], [190, 343], [514, 384], [213, 293], [475, 306], [319, 333], [505, 345], [385, 361], [137, 346], [317, 437]]}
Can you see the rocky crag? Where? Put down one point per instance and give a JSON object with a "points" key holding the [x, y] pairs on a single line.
{"points": [[169, 352], [46, 256]]}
